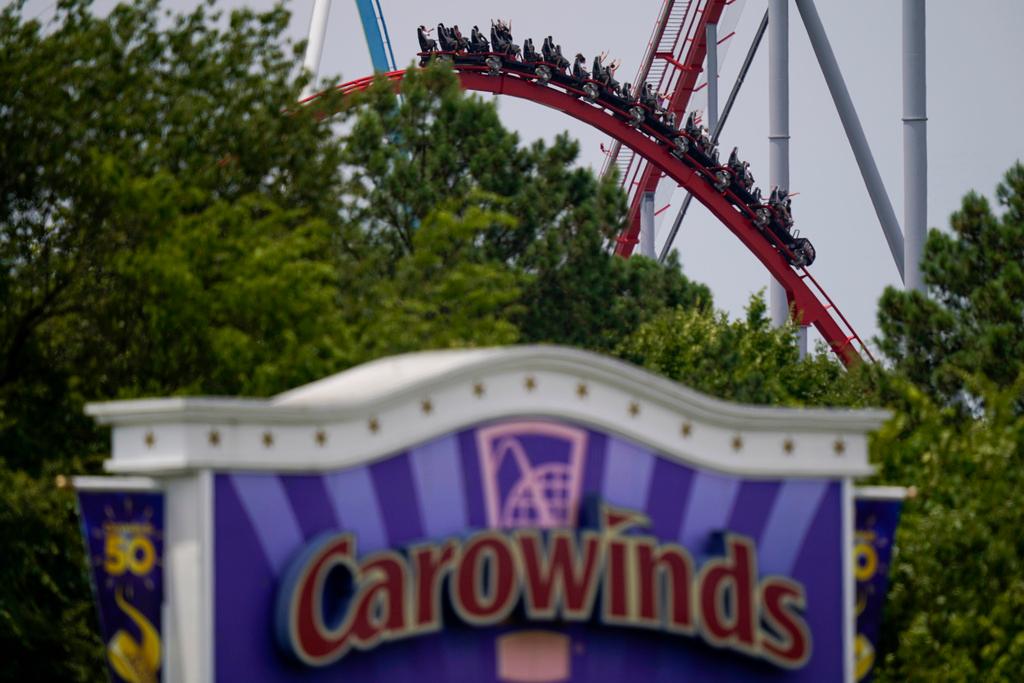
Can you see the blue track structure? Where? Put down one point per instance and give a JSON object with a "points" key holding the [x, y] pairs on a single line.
{"points": [[376, 31]]}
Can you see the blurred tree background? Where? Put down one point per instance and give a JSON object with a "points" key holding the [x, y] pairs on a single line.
{"points": [[170, 223]]}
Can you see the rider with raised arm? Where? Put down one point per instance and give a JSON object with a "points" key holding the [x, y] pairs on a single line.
{"points": [[501, 38], [427, 44], [609, 71], [497, 41]]}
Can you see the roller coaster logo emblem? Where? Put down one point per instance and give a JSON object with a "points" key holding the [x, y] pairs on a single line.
{"points": [[532, 474]]}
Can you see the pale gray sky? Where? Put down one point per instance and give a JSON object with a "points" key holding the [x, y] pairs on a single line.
{"points": [[975, 110]]}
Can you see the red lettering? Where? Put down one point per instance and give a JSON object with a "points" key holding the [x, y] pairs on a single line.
{"points": [[307, 636], [559, 578], [380, 606], [788, 641], [486, 588], [617, 582], [430, 565], [727, 596], [665, 576], [556, 573]]}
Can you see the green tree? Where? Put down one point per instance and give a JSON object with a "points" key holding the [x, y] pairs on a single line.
{"points": [[955, 610], [156, 211], [971, 318], [745, 360], [955, 606], [171, 222], [545, 219], [155, 207]]}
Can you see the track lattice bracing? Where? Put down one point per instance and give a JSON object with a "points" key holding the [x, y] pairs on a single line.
{"points": [[672, 65]]}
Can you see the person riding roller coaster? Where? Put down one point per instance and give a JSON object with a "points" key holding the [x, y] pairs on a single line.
{"points": [[477, 42], [740, 170], [501, 39], [552, 54], [427, 44], [446, 38], [640, 107], [461, 43], [605, 75], [529, 52], [579, 72]]}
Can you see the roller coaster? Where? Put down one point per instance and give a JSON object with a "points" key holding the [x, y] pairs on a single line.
{"points": [[641, 122]]}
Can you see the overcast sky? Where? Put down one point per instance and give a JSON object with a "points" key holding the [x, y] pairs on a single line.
{"points": [[975, 112]]}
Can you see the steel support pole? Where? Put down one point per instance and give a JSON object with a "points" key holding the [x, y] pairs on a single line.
{"points": [[647, 225], [854, 130], [711, 35], [751, 52], [315, 43], [915, 143], [778, 126]]}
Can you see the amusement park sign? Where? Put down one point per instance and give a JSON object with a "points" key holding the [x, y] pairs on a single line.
{"points": [[520, 515], [551, 577]]}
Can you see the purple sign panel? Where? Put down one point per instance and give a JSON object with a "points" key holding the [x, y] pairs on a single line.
{"points": [[875, 532], [527, 550], [123, 533]]}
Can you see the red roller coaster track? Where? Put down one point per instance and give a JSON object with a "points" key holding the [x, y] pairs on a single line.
{"points": [[810, 303]]}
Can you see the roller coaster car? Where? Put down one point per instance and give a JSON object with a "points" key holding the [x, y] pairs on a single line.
{"points": [[501, 40], [775, 220], [477, 42], [680, 144], [427, 44], [803, 251], [692, 145]]}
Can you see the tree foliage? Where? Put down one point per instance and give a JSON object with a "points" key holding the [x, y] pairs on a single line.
{"points": [[956, 608], [971, 319], [172, 223], [536, 216], [745, 360]]}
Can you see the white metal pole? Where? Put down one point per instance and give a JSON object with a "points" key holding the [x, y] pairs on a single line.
{"points": [[711, 34], [647, 225], [854, 131], [315, 43], [915, 143], [778, 126]]}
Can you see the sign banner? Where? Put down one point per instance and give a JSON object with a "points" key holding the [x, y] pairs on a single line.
{"points": [[876, 521], [528, 550], [123, 533]]}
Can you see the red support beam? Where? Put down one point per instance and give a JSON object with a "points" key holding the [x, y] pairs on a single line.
{"points": [[690, 70]]}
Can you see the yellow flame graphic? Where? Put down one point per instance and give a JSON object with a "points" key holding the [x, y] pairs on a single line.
{"points": [[864, 655], [133, 661]]}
